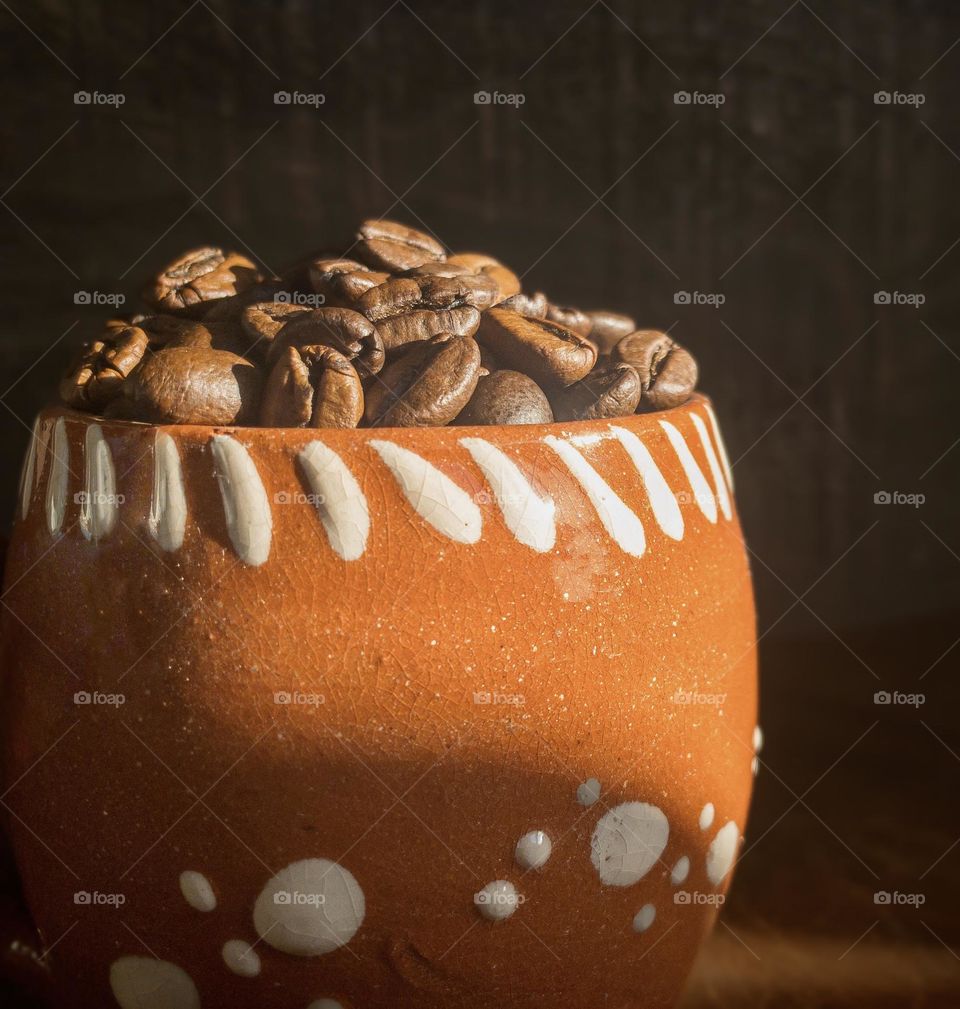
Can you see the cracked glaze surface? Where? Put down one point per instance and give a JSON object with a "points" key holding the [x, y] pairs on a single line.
{"points": [[505, 629]]}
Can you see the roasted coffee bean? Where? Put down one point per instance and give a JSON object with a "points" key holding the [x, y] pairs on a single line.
{"points": [[413, 291], [386, 245], [393, 297], [194, 385], [382, 327], [312, 387], [417, 326], [549, 353], [428, 386], [608, 328], [342, 282], [487, 281], [572, 318], [199, 276], [97, 374], [262, 320], [102, 365], [464, 288], [349, 333], [532, 305], [410, 309], [506, 397], [610, 390], [667, 371]]}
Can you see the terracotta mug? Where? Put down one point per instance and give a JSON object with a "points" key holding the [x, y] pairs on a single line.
{"points": [[435, 718]]}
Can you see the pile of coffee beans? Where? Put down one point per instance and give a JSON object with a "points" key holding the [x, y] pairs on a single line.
{"points": [[394, 332]]}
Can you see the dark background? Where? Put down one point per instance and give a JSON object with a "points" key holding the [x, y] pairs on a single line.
{"points": [[797, 200]]}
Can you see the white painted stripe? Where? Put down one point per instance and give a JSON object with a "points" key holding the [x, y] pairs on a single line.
{"points": [[168, 505], [98, 507], [434, 496], [29, 469], [57, 480], [698, 482], [621, 523], [527, 515], [245, 504], [339, 500], [721, 447], [718, 480], [662, 500]]}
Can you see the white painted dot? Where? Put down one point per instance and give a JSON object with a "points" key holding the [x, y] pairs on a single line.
{"points": [[241, 958], [680, 871], [628, 841], [197, 891], [757, 739], [722, 852], [588, 792], [755, 766], [140, 982], [497, 900], [325, 1003], [311, 907], [706, 816], [533, 850], [643, 919]]}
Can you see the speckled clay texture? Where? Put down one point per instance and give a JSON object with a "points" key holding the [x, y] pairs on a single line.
{"points": [[444, 718]]}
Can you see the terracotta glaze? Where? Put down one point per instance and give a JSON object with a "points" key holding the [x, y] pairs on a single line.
{"points": [[436, 718]]}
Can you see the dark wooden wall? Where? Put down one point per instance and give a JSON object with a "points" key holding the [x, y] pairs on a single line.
{"points": [[599, 188]]}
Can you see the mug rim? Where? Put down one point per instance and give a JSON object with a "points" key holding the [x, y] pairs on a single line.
{"points": [[123, 425]]}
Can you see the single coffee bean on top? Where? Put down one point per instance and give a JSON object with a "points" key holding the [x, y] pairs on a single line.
{"points": [[387, 330]]}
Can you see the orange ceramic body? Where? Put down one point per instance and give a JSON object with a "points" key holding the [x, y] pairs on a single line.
{"points": [[442, 719]]}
